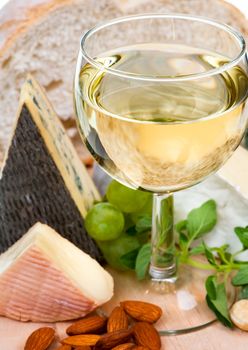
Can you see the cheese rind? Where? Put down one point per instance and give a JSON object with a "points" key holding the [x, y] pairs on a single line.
{"points": [[45, 278], [43, 179]]}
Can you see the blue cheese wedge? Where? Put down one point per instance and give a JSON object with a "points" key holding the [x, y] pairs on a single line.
{"points": [[42, 177]]}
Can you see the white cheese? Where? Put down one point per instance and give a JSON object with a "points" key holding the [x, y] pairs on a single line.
{"points": [[45, 278]]}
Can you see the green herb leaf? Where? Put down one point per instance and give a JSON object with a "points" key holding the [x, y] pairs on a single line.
{"points": [[183, 240], [144, 223], [241, 278], [243, 294], [143, 261], [225, 320], [242, 233], [128, 222], [200, 249], [209, 255], [129, 259], [217, 300], [143, 237], [181, 226], [131, 231], [222, 248], [211, 287], [242, 263], [223, 255], [202, 220]]}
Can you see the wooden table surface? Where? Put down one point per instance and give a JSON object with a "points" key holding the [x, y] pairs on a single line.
{"points": [[215, 337]]}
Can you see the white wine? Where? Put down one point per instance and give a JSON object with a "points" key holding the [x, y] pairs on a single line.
{"points": [[161, 135]]}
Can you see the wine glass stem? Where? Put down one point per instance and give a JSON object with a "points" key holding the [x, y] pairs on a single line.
{"points": [[163, 262]]}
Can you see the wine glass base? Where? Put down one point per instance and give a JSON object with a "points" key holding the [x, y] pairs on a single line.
{"points": [[163, 275], [182, 300]]}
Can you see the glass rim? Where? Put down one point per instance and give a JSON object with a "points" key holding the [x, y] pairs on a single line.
{"points": [[226, 66]]}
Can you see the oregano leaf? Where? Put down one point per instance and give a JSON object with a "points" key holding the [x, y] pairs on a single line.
{"points": [[202, 220], [143, 261], [211, 287], [129, 259], [241, 278], [199, 249], [217, 300], [242, 233], [144, 223], [181, 226], [209, 255], [183, 240], [243, 294]]}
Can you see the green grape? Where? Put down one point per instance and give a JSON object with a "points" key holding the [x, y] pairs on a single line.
{"points": [[126, 199], [114, 250], [104, 222], [146, 209]]}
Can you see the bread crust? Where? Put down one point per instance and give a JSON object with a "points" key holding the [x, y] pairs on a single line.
{"points": [[239, 15], [16, 18]]}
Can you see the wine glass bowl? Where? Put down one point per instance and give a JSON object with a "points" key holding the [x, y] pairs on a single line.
{"points": [[173, 112], [161, 105]]}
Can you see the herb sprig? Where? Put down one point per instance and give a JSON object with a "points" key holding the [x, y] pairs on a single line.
{"points": [[199, 222], [191, 231]]}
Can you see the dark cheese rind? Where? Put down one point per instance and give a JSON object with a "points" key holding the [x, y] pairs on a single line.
{"points": [[32, 189]]}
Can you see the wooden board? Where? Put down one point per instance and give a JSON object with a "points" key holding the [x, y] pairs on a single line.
{"points": [[215, 337]]}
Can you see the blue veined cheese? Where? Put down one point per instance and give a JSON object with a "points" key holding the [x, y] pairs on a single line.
{"points": [[43, 178]]}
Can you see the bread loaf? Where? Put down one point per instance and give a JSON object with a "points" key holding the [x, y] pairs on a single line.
{"points": [[42, 37]]}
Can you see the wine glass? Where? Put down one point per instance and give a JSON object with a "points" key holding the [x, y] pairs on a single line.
{"points": [[161, 104]]}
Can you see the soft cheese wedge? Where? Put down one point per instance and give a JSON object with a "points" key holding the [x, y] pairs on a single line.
{"points": [[46, 278]]}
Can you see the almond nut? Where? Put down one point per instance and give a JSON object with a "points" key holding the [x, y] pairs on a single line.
{"points": [[83, 347], [110, 340], [118, 320], [146, 335], [83, 339], [87, 325], [142, 311], [125, 346], [40, 339], [65, 347]]}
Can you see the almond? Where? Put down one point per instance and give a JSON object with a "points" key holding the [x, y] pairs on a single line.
{"points": [[110, 340], [65, 347], [83, 339], [125, 346], [83, 347], [146, 335], [118, 320], [87, 325], [142, 311], [139, 347], [40, 339]]}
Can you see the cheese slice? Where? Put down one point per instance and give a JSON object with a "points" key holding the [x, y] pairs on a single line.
{"points": [[45, 278], [43, 178]]}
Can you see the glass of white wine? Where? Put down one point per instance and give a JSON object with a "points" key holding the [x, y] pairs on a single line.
{"points": [[161, 105]]}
